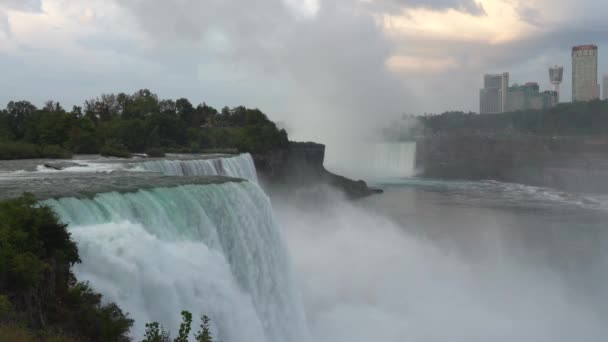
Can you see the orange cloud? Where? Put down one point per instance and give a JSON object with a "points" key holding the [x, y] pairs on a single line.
{"points": [[502, 23]]}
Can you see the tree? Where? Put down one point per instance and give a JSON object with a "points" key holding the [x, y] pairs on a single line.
{"points": [[36, 257], [184, 327], [155, 333], [185, 110], [204, 335], [18, 112]]}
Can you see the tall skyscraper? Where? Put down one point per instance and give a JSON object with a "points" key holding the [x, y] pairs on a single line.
{"points": [[605, 85], [493, 96], [584, 73]]}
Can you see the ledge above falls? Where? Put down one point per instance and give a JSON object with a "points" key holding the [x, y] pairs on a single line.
{"points": [[301, 165], [87, 185]]}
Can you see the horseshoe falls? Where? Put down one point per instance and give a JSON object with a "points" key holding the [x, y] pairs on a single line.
{"points": [[240, 166], [208, 249]]}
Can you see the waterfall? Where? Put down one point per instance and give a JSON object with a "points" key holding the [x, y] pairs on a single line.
{"points": [[209, 249], [240, 166], [372, 161]]}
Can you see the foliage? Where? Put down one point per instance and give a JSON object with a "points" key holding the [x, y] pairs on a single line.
{"points": [[36, 257], [204, 335], [114, 149], [138, 122], [55, 152], [18, 150], [156, 333], [579, 118], [184, 327]]}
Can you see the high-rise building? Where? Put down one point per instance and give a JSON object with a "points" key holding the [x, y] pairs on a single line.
{"points": [[584, 73], [494, 95], [605, 85], [528, 96], [556, 75]]}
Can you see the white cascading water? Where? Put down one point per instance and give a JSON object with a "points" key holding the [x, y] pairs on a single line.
{"points": [[240, 166], [209, 249], [372, 161]]}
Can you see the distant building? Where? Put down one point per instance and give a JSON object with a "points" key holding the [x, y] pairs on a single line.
{"points": [[605, 85], [584, 73], [528, 96], [556, 75], [494, 95]]}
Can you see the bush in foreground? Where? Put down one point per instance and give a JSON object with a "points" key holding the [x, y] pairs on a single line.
{"points": [[38, 291], [156, 333]]}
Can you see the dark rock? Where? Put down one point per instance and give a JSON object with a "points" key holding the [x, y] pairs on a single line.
{"points": [[301, 166], [61, 165]]}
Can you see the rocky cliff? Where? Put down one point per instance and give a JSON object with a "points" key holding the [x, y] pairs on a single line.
{"points": [[301, 165], [568, 163]]}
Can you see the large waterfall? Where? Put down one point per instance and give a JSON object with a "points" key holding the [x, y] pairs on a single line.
{"points": [[209, 249], [240, 166], [372, 161]]}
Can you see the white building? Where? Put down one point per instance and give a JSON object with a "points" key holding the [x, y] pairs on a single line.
{"points": [[584, 73], [494, 95]]}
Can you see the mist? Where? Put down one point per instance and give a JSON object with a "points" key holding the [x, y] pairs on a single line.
{"points": [[365, 276]]}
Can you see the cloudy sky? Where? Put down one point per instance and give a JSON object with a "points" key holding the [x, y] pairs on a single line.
{"points": [[312, 64]]}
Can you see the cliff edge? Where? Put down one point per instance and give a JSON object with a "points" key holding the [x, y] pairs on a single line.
{"points": [[301, 165]]}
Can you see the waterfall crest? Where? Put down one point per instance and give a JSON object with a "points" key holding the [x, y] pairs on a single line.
{"points": [[240, 166], [212, 249]]}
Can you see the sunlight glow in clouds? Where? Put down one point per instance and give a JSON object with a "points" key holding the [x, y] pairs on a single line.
{"points": [[500, 24]]}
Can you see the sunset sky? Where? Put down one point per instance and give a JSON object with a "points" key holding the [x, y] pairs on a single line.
{"points": [[308, 63]]}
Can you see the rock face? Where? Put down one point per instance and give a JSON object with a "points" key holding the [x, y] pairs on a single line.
{"points": [[577, 164], [302, 165]]}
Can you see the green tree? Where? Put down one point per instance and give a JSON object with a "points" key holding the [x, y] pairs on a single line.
{"points": [[204, 334], [155, 333], [18, 112], [184, 327]]}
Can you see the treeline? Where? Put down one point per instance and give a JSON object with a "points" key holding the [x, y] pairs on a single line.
{"points": [[568, 119], [120, 124]]}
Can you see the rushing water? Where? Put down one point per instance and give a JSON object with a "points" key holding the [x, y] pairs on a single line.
{"points": [[372, 160], [240, 166], [211, 249], [428, 260]]}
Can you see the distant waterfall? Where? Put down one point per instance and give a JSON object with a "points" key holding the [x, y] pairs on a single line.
{"points": [[240, 166], [372, 161], [209, 249]]}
